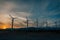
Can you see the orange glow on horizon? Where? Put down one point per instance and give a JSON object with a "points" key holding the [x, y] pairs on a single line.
{"points": [[4, 26]]}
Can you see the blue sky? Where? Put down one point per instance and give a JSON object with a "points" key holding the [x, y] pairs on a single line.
{"points": [[39, 8]]}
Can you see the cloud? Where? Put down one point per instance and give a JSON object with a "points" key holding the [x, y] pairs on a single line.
{"points": [[23, 14], [33, 8]]}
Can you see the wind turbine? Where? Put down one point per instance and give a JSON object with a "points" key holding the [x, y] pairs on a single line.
{"points": [[46, 23], [27, 21], [12, 22], [37, 22], [55, 23]]}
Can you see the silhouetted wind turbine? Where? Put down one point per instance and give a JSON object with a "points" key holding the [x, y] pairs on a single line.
{"points": [[56, 23], [37, 22], [12, 23], [46, 23], [42, 23], [27, 21]]}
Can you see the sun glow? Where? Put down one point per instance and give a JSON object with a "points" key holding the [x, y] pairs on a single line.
{"points": [[4, 26]]}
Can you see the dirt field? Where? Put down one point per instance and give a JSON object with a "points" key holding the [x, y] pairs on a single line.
{"points": [[13, 35]]}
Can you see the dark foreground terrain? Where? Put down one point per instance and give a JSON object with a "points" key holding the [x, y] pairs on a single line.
{"points": [[30, 35]]}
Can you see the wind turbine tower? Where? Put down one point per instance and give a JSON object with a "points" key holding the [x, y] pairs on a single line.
{"points": [[27, 21], [12, 22], [37, 22], [46, 23], [55, 23]]}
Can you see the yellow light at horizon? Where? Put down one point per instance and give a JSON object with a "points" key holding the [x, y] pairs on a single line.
{"points": [[4, 26]]}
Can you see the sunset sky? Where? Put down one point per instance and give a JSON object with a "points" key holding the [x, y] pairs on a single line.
{"points": [[42, 9]]}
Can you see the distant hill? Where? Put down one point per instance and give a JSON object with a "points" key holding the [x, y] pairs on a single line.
{"points": [[33, 29]]}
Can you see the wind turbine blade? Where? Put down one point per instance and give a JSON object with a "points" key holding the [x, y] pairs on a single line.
{"points": [[21, 18], [10, 16]]}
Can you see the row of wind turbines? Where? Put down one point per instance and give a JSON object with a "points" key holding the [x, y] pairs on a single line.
{"points": [[37, 22], [12, 22]]}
